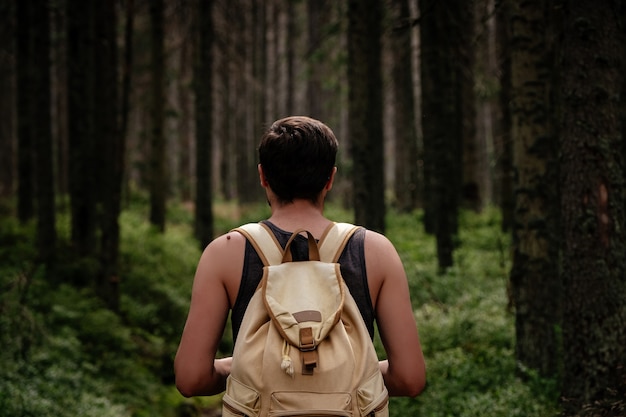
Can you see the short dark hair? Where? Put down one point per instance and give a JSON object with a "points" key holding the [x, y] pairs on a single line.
{"points": [[297, 155]]}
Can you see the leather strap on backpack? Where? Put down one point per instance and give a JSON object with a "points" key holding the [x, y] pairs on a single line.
{"points": [[331, 244], [264, 242]]}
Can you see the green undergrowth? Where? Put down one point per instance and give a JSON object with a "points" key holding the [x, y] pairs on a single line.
{"points": [[466, 327], [65, 354]]}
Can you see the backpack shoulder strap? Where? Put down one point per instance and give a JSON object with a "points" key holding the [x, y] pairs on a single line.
{"points": [[334, 240], [263, 241]]}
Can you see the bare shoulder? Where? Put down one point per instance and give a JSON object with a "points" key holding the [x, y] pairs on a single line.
{"points": [[382, 263], [227, 244], [222, 262], [378, 247], [376, 238]]}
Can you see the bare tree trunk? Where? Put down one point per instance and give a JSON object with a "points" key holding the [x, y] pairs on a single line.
{"points": [[40, 118], [440, 31], [259, 66], [59, 98], [315, 10], [226, 164], [365, 112], [204, 113], [271, 59], [25, 151], [470, 157], [593, 207], [158, 165], [503, 142], [186, 120], [7, 107], [250, 132], [81, 110], [406, 157], [111, 144], [225, 183]]}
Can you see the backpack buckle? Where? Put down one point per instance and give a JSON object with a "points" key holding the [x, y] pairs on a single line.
{"points": [[307, 348], [307, 343]]}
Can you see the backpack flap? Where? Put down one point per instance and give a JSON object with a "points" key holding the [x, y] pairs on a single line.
{"points": [[304, 300]]}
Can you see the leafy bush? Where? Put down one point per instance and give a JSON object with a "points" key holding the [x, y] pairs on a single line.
{"points": [[66, 354]]}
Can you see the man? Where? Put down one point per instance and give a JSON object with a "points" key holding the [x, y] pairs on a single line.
{"points": [[297, 170]]}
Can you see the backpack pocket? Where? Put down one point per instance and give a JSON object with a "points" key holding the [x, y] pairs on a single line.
{"points": [[239, 400], [373, 398], [310, 404]]}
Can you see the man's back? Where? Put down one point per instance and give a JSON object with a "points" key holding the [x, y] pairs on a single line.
{"points": [[297, 156], [352, 264]]}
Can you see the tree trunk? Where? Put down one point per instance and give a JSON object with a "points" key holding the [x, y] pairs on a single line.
{"points": [[225, 183], [204, 113], [238, 61], [503, 143], [112, 147], [127, 66], [184, 98], [487, 110], [7, 106], [365, 112], [250, 192], [315, 11], [59, 98], [593, 206], [25, 94], [224, 133], [473, 149], [81, 110], [259, 67], [535, 283], [40, 119], [406, 157], [271, 80], [442, 121], [158, 166]]}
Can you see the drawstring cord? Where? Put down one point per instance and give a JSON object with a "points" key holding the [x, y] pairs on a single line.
{"points": [[286, 364]]}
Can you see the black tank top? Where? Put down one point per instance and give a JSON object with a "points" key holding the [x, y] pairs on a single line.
{"points": [[352, 263]]}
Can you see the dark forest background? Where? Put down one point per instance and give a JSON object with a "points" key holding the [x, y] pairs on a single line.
{"points": [[441, 108]]}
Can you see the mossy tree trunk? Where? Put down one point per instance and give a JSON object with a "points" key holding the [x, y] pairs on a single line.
{"points": [[535, 283], [592, 204]]}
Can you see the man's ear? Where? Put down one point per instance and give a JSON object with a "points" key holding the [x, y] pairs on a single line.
{"points": [[331, 179], [261, 176]]}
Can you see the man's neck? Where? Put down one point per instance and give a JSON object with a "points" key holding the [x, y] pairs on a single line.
{"points": [[299, 214]]}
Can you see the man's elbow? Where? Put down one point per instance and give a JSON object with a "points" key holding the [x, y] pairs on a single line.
{"points": [[185, 387], [189, 382], [416, 387], [411, 385]]}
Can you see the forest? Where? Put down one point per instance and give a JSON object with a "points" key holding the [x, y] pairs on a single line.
{"points": [[485, 138]]}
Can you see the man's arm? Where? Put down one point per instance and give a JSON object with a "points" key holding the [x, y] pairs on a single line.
{"points": [[217, 274], [404, 371]]}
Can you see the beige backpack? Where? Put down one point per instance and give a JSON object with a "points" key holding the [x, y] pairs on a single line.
{"points": [[303, 348]]}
